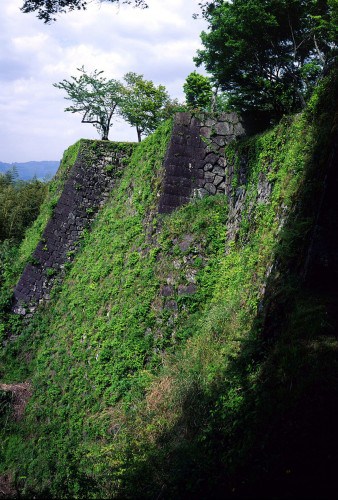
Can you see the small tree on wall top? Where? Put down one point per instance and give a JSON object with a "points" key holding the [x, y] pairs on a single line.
{"points": [[95, 97], [198, 91], [144, 105]]}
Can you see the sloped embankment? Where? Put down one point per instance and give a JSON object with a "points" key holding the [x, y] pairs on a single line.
{"points": [[187, 354]]}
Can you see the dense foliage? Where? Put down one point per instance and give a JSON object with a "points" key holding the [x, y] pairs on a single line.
{"points": [[47, 9], [139, 393], [198, 91], [268, 54], [19, 204], [143, 105]]}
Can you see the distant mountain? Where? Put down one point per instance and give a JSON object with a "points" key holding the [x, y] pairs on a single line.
{"points": [[30, 169]]}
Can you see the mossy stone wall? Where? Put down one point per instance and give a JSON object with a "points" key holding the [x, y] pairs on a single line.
{"points": [[93, 176]]}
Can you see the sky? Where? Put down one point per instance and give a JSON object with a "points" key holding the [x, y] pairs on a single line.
{"points": [[159, 43]]}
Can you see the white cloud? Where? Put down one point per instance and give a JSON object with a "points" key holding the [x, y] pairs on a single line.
{"points": [[158, 42]]}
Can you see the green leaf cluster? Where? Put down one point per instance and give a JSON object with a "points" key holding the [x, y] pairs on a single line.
{"points": [[198, 91]]}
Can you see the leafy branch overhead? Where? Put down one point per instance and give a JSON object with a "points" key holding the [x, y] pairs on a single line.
{"points": [[268, 54], [48, 9]]}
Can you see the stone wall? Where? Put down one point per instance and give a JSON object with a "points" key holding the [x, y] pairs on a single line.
{"points": [[195, 164], [194, 167], [91, 179]]}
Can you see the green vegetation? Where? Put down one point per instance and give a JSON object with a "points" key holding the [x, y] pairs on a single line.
{"points": [[20, 203], [198, 91], [16, 258], [175, 360], [268, 54], [95, 97], [138, 101], [144, 105]]}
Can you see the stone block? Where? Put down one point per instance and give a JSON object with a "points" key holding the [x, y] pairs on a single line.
{"points": [[183, 118], [211, 158], [200, 193], [223, 128], [210, 188], [218, 179], [219, 141], [187, 289], [218, 170], [209, 176], [208, 167], [199, 183], [167, 291], [205, 132]]}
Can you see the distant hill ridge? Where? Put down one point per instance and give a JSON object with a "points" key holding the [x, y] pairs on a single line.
{"points": [[28, 170]]}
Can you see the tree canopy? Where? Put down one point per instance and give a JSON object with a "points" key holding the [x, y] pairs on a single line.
{"points": [[198, 90], [267, 54], [95, 97], [138, 101], [48, 9], [144, 105], [19, 204]]}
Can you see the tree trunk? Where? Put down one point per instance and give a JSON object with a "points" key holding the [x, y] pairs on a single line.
{"points": [[105, 132], [139, 132]]}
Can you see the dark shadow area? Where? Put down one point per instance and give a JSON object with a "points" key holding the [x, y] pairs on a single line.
{"points": [[279, 438]]}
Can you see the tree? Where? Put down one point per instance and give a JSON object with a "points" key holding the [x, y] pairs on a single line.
{"points": [[47, 9], [198, 91], [19, 204], [144, 105], [95, 97], [268, 54]]}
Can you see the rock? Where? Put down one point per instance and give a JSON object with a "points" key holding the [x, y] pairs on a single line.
{"points": [[187, 289], [200, 193], [211, 158], [186, 242], [223, 128], [167, 291], [218, 171], [205, 132], [209, 176], [218, 179], [208, 166], [210, 188], [220, 141], [183, 118], [171, 304]]}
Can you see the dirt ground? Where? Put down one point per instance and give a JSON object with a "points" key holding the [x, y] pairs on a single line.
{"points": [[20, 394]]}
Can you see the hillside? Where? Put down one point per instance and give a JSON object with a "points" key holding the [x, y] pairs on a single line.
{"points": [[30, 169], [191, 353]]}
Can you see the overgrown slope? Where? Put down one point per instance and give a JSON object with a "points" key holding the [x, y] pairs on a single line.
{"points": [[183, 354]]}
